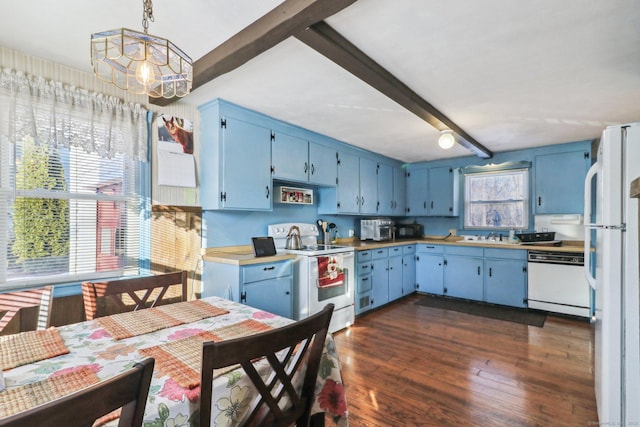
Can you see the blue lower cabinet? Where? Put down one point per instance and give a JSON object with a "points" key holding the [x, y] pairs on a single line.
{"points": [[463, 277], [506, 280], [430, 269], [267, 286], [408, 270], [395, 278]]}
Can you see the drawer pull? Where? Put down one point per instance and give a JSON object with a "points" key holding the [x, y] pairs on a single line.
{"points": [[269, 268]]}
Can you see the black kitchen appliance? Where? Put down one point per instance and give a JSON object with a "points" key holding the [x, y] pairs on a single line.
{"points": [[545, 236], [409, 231]]}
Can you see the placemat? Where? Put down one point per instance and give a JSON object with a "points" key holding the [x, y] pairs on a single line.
{"points": [[139, 322], [14, 400], [28, 347], [181, 360], [191, 311]]}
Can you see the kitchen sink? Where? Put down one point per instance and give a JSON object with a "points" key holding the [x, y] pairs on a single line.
{"points": [[489, 242]]}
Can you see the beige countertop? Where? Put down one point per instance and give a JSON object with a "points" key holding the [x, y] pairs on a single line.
{"points": [[243, 255], [240, 255], [359, 245]]}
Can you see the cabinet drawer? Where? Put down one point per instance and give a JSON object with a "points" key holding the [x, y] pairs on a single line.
{"points": [[364, 268], [429, 248], [395, 251], [409, 249], [520, 254], [364, 283], [464, 250], [379, 253], [363, 255], [255, 273]]}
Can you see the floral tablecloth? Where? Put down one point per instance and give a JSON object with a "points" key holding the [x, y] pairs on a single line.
{"points": [[169, 404]]}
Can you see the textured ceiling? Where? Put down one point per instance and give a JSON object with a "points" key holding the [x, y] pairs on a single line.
{"points": [[513, 74]]}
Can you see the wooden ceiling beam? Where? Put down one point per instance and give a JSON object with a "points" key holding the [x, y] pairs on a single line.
{"points": [[328, 42], [285, 20]]}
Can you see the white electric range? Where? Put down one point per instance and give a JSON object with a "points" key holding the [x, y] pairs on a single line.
{"points": [[322, 274]]}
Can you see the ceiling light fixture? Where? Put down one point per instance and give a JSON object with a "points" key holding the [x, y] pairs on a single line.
{"points": [[140, 62], [446, 139]]}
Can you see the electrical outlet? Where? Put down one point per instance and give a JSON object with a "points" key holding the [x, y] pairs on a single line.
{"points": [[453, 231]]}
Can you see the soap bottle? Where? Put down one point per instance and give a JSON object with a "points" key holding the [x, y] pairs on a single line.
{"points": [[512, 236]]}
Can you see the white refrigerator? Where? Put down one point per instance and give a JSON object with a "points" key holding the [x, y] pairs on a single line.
{"points": [[611, 221]]}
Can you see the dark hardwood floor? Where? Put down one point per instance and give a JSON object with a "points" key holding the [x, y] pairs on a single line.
{"points": [[411, 365]]}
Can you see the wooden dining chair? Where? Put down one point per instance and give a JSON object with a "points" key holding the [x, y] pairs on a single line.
{"points": [[128, 391], [115, 290], [12, 302], [302, 342]]}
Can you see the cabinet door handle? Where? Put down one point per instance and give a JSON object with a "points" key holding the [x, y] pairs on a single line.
{"points": [[478, 270], [539, 201], [267, 192], [269, 268], [358, 200], [362, 201], [313, 168], [306, 167], [287, 293], [364, 279], [425, 204], [490, 272], [432, 204]]}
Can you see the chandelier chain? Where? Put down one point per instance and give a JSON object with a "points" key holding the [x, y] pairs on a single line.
{"points": [[147, 14]]}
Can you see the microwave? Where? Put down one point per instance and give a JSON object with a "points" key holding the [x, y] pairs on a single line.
{"points": [[376, 229], [409, 231]]}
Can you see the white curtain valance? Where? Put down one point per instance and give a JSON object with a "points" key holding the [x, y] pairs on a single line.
{"points": [[58, 114]]}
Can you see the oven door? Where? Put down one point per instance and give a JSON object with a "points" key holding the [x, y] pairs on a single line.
{"points": [[331, 280]]}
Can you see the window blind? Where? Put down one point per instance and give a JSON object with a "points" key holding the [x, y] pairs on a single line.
{"points": [[71, 201]]}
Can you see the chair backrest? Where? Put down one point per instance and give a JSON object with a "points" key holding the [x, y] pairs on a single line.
{"points": [[301, 344], [128, 391], [12, 302], [116, 289]]}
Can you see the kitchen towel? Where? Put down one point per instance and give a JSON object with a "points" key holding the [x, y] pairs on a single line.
{"points": [[330, 271]]}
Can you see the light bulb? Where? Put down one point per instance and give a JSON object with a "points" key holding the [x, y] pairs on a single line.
{"points": [[144, 73], [446, 139]]}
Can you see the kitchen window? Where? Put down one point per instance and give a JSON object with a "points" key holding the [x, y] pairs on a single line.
{"points": [[496, 199], [72, 188]]}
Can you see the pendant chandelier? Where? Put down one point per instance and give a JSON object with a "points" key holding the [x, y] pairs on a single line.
{"points": [[140, 62]]}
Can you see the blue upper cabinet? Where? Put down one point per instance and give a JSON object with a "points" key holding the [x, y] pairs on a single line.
{"points": [[323, 165], [391, 190], [231, 179], [559, 182], [399, 192], [417, 182], [290, 157], [368, 186], [442, 191], [385, 189], [298, 160]]}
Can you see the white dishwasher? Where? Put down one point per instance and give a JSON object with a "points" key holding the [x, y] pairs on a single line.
{"points": [[557, 283]]}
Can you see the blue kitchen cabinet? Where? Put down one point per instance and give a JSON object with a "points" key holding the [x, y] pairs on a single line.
{"points": [[323, 165], [464, 273], [267, 286], [380, 276], [298, 160], [399, 204], [290, 158], [230, 178], [430, 268], [368, 177], [417, 183], [408, 269], [385, 189], [392, 190], [345, 197], [559, 182], [364, 281], [506, 277], [443, 191], [395, 273]]}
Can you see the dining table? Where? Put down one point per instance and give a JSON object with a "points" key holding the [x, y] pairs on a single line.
{"points": [[44, 365]]}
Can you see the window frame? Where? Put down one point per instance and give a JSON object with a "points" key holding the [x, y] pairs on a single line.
{"points": [[493, 170]]}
